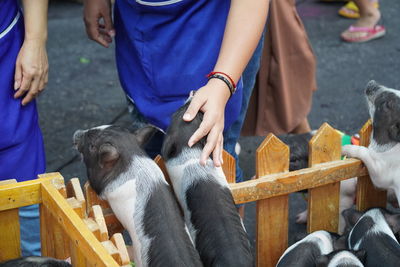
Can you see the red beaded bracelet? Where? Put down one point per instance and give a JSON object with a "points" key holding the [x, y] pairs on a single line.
{"points": [[223, 73]]}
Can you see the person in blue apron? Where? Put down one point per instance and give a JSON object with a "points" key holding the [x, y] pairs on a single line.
{"points": [[23, 74], [165, 49]]}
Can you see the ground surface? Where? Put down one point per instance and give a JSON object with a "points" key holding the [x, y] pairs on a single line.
{"points": [[84, 91]]}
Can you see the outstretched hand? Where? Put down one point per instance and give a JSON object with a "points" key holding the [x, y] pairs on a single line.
{"points": [[98, 21], [211, 99]]}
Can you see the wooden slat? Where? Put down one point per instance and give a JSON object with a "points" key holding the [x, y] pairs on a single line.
{"points": [[78, 258], [272, 214], [323, 201], [229, 167], [289, 182], [368, 195], [9, 235], [46, 230], [93, 199], [74, 189], [96, 213], [75, 227], [61, 242], [119, 243], [161, 164], [77, 206], [93, 227], [112, 222], [19, 195], [112, 250]]}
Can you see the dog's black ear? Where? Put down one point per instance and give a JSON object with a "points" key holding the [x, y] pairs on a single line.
{"points": [[143, 135], [394, 132], [351, 216], [361, 255], [322, 261], [394, 221], [108, 156]]}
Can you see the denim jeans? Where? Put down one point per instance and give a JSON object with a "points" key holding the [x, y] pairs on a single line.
{"points": [[30, 230], [231, 135]]}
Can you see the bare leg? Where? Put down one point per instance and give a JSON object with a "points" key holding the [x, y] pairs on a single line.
{"points": [[369, 17]]}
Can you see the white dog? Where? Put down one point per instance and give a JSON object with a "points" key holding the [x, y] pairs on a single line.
{"points": [[382, 157]]}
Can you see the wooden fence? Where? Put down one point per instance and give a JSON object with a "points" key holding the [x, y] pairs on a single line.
{"points": [[79, 225]]}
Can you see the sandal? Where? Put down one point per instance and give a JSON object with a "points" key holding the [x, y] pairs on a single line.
{"points": [[370, 33], [350, 10]]}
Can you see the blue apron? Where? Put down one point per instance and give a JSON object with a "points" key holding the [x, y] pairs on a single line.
{"points": [[21, 144], [165, 49]]}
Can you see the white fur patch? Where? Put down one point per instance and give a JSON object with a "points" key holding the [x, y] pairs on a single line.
{"points": [[321, 238], [123, 196], [345, 257], [381, 226]]}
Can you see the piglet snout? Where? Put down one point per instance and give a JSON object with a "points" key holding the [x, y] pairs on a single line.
{"points": [[372, 88], [77, 137]]}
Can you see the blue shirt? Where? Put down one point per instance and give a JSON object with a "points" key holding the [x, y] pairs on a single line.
{"points": [[165, 49]]}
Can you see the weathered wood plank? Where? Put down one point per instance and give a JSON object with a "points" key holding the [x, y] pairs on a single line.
{"points": [[323, 201], [289, 182], [271, 214], [74, 189], [368, 195], [96, 213], [93, 199], [119, 243], [9, 235], [79, 234]]}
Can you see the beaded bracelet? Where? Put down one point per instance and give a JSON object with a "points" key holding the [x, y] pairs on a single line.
{"points": [[231, 85]]}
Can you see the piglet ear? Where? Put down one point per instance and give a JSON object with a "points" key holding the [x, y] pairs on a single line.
{"points": [[108, 156], [351, 216], [394, 132], [143, 135], [322, 261], [394, 221]]}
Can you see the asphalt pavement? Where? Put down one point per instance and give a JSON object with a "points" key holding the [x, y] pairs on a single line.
{"points": [[84, 91]]}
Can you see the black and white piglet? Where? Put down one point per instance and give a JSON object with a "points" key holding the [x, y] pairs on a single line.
{"points": [[120, 172], [342, 258], [210, 213], [305, 252], [382, 157], [34, 261], [373, 231]]}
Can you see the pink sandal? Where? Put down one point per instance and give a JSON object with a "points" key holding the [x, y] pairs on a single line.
{"points": [[370, 33]]}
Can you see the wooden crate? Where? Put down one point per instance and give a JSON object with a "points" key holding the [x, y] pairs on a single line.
{"points": [[66, 229]]}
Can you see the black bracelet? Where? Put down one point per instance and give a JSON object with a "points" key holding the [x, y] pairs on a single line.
{"points": [[225, 80]]}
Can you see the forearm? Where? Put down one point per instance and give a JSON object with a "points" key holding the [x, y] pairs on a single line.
{"points": [[246, 21], [35, 17]]}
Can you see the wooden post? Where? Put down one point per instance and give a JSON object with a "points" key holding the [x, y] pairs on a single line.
{"points": [[368, 195], [46, 232], [229, 167], [119, 243], [9, 235], [272, 156], [323, 201]]}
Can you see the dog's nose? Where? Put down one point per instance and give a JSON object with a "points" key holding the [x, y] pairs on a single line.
{"points": [[372, 88]]}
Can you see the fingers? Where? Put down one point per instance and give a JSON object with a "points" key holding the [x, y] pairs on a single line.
{"points": [[194, 107], [203, 130], [31, 86], [217, 153], [17, 76], [98, 23]]}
